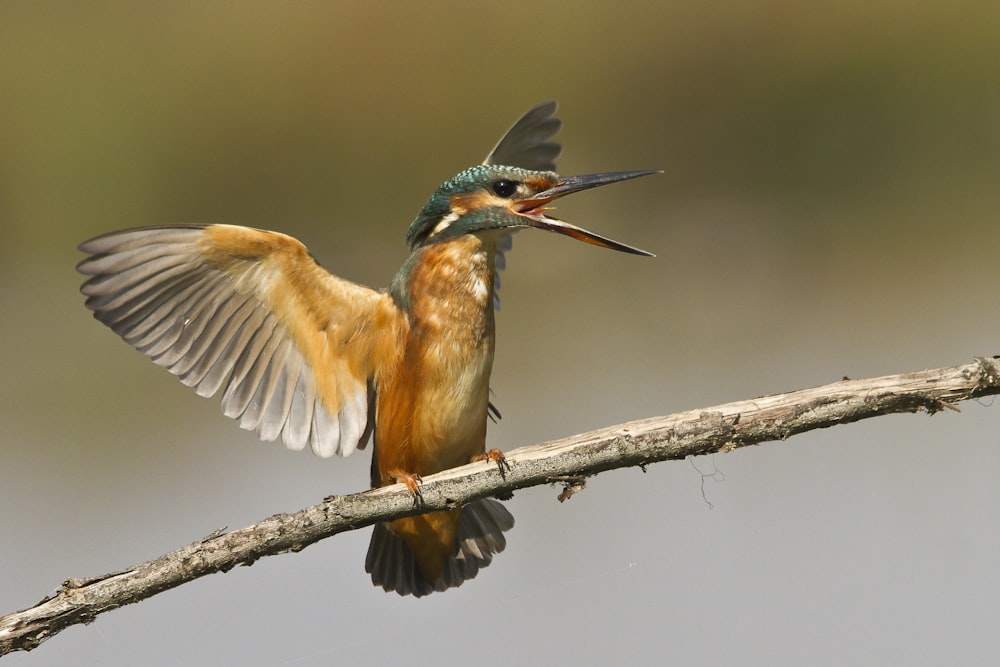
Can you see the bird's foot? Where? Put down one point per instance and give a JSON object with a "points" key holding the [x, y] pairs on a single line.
{"points": [[412, 481], [497, 457]]}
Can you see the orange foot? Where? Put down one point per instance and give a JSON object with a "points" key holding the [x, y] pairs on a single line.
{"points": [[497, 457], [412, 482]]}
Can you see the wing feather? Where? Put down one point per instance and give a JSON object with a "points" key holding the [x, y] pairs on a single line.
{"points": [[248, 371], [212, 309], [266, 376], [215, 353], [526, 144], [145, 322], [275, 409], [299, 424], [155, 332], [294, 348]]}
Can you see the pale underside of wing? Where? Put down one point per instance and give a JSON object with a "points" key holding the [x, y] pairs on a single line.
{"points": [[293, 347]]}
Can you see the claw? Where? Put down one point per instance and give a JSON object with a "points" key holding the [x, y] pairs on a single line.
{"points": [[497, 457], [412, 481]]}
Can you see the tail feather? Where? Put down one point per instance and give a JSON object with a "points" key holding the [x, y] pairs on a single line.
{"points": [[480, 536]]}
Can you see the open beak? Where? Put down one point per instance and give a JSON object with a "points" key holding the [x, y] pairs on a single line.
{"points": [[534, 208]]}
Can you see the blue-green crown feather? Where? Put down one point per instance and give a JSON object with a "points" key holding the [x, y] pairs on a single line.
{"points": [[525, 147], [438, 207]]}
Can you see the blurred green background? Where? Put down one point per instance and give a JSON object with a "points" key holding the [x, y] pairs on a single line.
{"points": [[829, 208]]}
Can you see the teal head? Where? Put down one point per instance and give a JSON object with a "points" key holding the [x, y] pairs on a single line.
{"points": [[496, 197]]}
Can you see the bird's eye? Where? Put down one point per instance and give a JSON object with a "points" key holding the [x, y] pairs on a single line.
{"points": [[503, 187]]}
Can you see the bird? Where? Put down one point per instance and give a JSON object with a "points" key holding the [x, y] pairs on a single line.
{"points": [[303, 355]]}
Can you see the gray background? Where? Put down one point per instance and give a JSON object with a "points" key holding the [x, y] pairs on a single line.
{"points": [[829, 208]]}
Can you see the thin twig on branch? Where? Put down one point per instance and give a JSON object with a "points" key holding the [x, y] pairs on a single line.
{"points": [[567, 461]]}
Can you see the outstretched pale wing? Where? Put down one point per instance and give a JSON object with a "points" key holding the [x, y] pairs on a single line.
{"points": [[294, 347], [526, 144]]}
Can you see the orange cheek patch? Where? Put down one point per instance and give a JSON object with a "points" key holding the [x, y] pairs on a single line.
{"points": [[464, 202], [539, 183]]}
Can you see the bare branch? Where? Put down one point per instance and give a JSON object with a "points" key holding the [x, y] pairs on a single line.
{"points": [[567, 461]]}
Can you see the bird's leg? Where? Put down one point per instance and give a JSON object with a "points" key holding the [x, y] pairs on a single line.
{"points": [[497, 457], [412, 482]]}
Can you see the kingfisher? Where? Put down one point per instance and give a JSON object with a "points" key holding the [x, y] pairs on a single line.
{"points": [[313, 359]]}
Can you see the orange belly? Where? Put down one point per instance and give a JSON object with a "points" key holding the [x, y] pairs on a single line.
{"points": [[431, 412]]}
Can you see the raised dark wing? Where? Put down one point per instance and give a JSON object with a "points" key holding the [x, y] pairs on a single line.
{"points": [[526, 144], [250, 311]]}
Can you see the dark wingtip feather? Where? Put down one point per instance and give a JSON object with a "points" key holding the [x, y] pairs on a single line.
{"points": [[526, 144]]}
